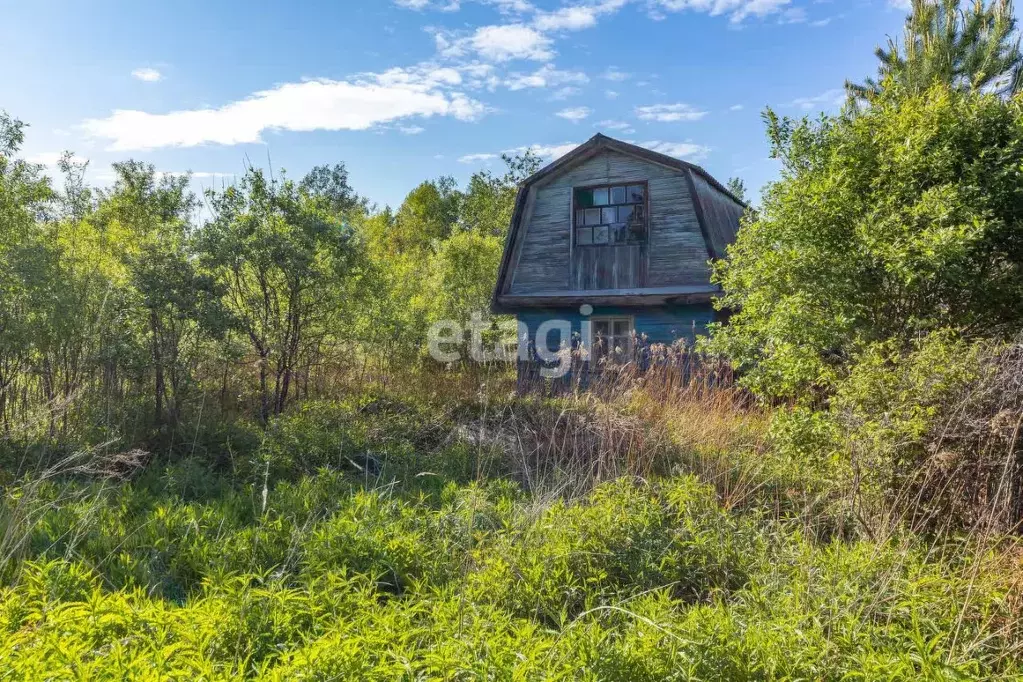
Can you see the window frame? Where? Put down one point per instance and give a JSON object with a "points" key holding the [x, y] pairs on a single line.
{"points": [[630, 321], [608, 185]]}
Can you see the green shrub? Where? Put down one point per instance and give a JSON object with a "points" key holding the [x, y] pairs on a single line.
{"points": [[331, 580]]}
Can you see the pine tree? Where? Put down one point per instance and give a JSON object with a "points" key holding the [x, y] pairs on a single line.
{"points": [[971, 49]]}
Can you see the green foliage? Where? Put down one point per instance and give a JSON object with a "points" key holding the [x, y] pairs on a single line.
{"points": [[635, 582], [974, 48], [464, 269], [737, 187], [283, 261], [884, 227], [128, 321]]}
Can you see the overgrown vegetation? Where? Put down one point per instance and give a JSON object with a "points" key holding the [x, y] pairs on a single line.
{"points": [[224, 454], [413, 565]]}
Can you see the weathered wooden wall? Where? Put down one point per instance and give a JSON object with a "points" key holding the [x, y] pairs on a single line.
{"points": [[660, 324], [621, 266], [675, 254], [721, 215]]}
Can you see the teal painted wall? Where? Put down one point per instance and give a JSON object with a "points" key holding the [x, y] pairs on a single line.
{"points": [[663, 324]]}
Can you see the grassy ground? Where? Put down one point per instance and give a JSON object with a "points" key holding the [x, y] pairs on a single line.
{"points": [[417, 538]]}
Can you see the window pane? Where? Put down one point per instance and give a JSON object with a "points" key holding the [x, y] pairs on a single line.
{"points": [[624, 212], [600, 235], [600, 197], [584, 236], [619, 233], [636, 194], [593, 216], [608, 215], [583, 198], [580, 218], [622, 328], [617, 195], [601, 327]]}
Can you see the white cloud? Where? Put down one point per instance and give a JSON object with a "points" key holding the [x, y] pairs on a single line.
{"points": [[736, 10], [567, 19], [545, 151], [508, 6], [736, 107], [545, 77], [829, 99], [793, 15], [46, 158], [321, 104], [419, 5], [574, 114], [611, 94], [613, 73], [617, 126], [473, 158], [533, 37], [669, 113], [680, 150], [564, 93], [576, 17], [511, 41], [199, 175], [148, 75], [504, 6], [411, 130]]}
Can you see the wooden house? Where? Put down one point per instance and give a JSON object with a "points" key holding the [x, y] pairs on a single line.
{"points": [[618, 235]]}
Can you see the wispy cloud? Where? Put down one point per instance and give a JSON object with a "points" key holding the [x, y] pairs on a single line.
{"points": [[682, 150], [497, 43], [616, 126], [504, 6], [45, 158], [545, 77], [613, 73], [545, 151], [737, 11], [669, 113], [829, 99], [575, 114], [475, 158], [532, 33], [577, 17], [147, 74], [321, 104]]}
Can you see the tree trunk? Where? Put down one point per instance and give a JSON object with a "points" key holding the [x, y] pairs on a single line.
{"points": [[154, 323]]}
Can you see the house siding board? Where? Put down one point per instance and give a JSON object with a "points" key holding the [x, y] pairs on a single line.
{"points": [[543, 263], [666, 324], [720, 213], [676, 253]]}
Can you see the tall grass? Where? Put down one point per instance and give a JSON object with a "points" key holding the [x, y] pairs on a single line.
{"points": [[444, 527]]}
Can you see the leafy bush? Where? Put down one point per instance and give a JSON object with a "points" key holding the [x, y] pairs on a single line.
{"points": [[635, 581], [886, 225]]}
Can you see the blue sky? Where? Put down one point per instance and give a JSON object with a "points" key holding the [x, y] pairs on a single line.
{"points": [[404, 90]]}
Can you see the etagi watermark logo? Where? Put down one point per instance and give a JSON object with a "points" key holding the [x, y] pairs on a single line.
{"points": [[552, 342]]}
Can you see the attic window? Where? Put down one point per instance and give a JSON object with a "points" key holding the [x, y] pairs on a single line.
{"points": [[610, 215]]}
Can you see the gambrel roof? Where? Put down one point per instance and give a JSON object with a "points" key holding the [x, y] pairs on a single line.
{"points": [[717, 210]]}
